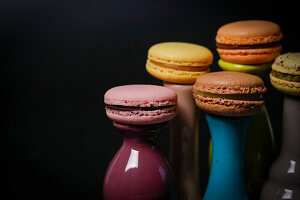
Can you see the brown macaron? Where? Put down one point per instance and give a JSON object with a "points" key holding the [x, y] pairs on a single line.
{"points": [[249, 42], [232, 94]]}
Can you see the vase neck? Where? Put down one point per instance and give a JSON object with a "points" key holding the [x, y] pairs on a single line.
{"points": [[228, 127], [140, 133], [291, 124], [228, 141], [228, 137]]}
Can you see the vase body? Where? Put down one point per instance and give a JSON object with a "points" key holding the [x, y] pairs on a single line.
{"points": [[184, 149], [259, 153], [284, 177], [226, 180], [139, 171]]}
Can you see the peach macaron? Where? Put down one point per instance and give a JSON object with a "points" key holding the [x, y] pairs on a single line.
{"points": [[249, 42]]}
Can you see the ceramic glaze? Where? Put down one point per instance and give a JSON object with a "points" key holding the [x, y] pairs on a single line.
{"points": [[139, 171], [259, 153], [183, 149], [226, 179], [284, 180], [260, 145]]}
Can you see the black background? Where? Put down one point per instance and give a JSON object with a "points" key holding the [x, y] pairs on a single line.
{"points": [[59, 58]]}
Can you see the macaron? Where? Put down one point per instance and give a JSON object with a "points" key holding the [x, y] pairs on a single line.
{"points": [[140, 104], [232, 94], [249, 42], [285, 74], [178, 62]]}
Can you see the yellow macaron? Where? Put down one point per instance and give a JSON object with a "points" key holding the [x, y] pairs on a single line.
{"points": [[178, 62]]}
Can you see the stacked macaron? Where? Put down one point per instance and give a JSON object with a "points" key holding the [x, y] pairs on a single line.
{"points": [[140, 104], [248, 46], [232, 94], [178, 62], [285, 74]]}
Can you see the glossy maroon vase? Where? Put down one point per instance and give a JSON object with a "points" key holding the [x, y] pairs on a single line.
{"points": [[139, 170]]}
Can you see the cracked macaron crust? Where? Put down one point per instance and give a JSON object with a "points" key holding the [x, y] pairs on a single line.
{"points": [[140, 104], [178, 62], [285, 74], [232, 94], [249, 42]]}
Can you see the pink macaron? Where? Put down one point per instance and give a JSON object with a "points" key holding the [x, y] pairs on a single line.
{"points": [[140, 104]]}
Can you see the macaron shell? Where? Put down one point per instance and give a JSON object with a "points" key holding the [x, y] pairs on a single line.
{"points": [[172, 75], [259, 69], [249, 56], [226, 82], [140, 117], [140, 95], [249, 32], [229, 108], [287, 87], [180, 53], [288, 63]]}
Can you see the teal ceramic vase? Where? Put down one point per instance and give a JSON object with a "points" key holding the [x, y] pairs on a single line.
{"points": [[226, 180]]}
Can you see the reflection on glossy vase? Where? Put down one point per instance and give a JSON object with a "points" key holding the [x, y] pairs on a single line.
{"points": [[184, 147], [139, 171], [226, 180], [284, 178], [259, 153]]}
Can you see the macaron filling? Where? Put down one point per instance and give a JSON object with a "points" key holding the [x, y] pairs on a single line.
{"points": [[133, 108], [242, 97], [286, 77], [180, 67], [256, 46]]}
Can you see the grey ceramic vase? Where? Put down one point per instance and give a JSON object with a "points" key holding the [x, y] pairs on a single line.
{"points": [[284, 179]]}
